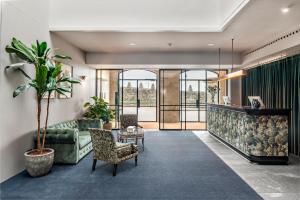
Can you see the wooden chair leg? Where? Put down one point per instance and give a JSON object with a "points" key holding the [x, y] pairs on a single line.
{"points": [[115, 169], [135, 159], [94, 164]]}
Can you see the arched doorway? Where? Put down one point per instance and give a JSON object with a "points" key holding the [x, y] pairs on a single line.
{"points": [[184, 97]]}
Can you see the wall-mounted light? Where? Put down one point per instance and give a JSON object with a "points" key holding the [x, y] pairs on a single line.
{"points": [[82, 78]]}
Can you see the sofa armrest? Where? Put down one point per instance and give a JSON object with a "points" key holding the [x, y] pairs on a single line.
{"points": [[85, 123], [60, 136]]}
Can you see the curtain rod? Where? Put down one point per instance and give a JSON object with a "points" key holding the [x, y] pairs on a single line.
{"points": [[279, 57]]}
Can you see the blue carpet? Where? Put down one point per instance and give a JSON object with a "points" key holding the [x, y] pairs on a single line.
{"points": [[174, 165]]}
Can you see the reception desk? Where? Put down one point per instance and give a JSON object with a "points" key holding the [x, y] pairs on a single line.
{"points": [[260, 135]]}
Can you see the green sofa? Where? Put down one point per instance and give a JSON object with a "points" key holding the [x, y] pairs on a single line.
{"points": [[70, 140]]}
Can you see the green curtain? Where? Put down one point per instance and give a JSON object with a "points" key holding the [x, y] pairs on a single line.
{"points": [[277, 83]]}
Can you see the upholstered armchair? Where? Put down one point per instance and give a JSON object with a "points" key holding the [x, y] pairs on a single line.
{"points": [[131, 120], [105, 148]]}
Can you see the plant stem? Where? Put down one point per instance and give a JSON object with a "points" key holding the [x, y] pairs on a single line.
{"points": [[46, 122], [39, 123]]}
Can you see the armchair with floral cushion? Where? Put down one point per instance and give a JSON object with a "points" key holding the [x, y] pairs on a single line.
{"points": [[131, 120], [105, 148]]}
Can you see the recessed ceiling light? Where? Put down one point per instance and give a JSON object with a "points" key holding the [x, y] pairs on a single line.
{"points": [[132, 44], [211, 44], [285, 10]]}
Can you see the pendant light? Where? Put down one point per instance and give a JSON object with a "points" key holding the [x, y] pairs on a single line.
{"points": [[235, 74]]}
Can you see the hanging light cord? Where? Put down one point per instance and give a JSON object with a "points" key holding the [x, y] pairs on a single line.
{"points": [[219, 61], [232, 53]]}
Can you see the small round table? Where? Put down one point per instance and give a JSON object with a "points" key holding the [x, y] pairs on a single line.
{"points": [[137, 134]]}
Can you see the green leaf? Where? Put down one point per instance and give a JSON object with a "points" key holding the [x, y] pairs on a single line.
{"points": [[42, 49], [51, 84], [47, 52], [19, 53], [64, 89], [23, 72], [15, 65], [95, 98], [61, 57], [33, 84], [49, 64], [23, 48], [68, 79], [73, 80], [41, 77], [38, 47], [87, 104], [60, 92], [20, 89], [56, 71], [34, 49]]}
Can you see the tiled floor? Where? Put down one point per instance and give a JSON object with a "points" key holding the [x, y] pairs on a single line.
{"points": [[188, 125], [272, 182]]}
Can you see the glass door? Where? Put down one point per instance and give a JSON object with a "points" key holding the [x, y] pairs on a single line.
{"points": [[190, 112], [129, 98], [139, 95], [184, 97], [193, 92], [202, 100], [146, 101]]}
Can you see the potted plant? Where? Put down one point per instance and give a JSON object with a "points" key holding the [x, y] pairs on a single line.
{"points": [[100, 110], [213, 90], [109, 115], [47, 79]]}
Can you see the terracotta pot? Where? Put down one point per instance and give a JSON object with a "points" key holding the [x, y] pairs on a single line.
{"points": [[107, 126], [39, 164]]}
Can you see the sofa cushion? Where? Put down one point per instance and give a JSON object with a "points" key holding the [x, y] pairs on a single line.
{"points": [[84, 133], [84, 124], [66, 125], [84, 140], [59, 136]]}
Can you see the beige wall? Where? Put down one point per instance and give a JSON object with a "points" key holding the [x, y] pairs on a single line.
{"points": [[287, 46], [236, 91], [28, 20], [162, 58], [171, 95]]}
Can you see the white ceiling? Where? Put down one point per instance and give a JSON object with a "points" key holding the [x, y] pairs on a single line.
{"points": [[143, 15], [109, 29]]}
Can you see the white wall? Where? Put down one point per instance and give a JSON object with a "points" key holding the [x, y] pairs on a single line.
{"points": [[140, 16], [134, 15], [228, 9], [28, 20]]}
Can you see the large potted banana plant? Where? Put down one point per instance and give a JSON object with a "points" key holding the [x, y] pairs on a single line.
{"points": [[47, 79]]}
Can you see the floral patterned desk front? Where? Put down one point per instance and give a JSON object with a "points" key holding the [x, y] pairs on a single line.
{"points": [[261, 135]]}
